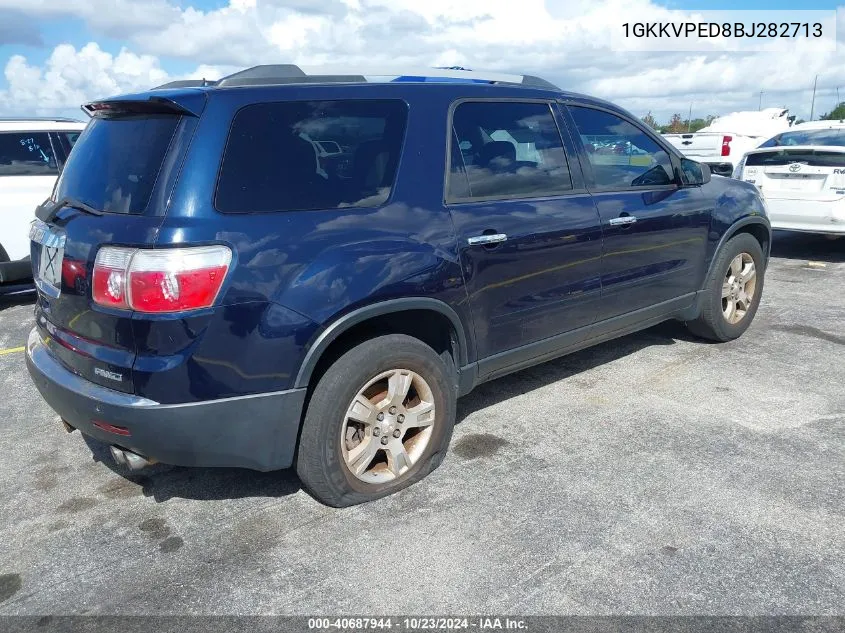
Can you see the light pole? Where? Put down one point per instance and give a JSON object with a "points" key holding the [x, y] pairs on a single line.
{"points": [[813, 104]]}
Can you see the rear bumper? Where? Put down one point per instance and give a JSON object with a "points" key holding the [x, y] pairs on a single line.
{"points": [[16, 272], [807, 215], [257, 432]]}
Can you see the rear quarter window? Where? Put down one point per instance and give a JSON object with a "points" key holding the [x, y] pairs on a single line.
{"points": [[305, 155]]}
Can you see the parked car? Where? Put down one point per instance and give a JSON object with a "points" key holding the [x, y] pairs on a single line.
{"points": [[234, 302], [801, 172], [722, 144], [32, 152]]}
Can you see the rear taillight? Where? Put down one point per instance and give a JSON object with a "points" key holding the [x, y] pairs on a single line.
{"points": [[726, 145], [163, 280], [109, 284]]}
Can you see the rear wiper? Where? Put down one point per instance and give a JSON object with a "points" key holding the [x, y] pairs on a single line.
{"points": [[48, 209]]}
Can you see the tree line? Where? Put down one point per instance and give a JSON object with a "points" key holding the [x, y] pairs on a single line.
{"points": [[679, 125], [676, 124]]}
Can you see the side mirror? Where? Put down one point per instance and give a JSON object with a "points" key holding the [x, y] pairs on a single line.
{"points": [[693, 174]]}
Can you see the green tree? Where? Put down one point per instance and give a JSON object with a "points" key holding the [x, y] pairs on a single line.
{"points": [[676, 125], [837, 113], [697, 124], [650, 121]]}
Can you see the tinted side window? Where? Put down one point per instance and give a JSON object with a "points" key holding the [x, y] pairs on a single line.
{"points": [[302, 155], [621, 154], [509, 149], [26, 154]]}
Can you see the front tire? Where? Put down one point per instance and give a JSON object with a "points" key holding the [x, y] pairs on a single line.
{"points": [[732, 291], [379, 420]]}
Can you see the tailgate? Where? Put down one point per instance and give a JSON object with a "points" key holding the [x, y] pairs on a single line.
{"points": [[112, 191], [799, 173], [698, 146], [93, 342]]}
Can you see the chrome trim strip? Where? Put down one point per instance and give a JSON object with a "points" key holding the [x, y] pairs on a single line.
{"points": [[40, 233], [487, 239], [622, 221], [47, 289]]}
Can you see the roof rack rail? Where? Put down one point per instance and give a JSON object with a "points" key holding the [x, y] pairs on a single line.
{"points": [[538, 82], [186, 83], [281, 74], [305, 79], [55, 119], [527, 80], [267, 73]]}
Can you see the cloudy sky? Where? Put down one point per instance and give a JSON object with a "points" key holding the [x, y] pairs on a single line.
{"points": [[57, 54]]}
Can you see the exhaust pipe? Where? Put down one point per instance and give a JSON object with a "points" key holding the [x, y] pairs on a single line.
{"points": [[131, 460]]}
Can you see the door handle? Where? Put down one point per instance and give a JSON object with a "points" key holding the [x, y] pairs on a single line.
{"points": [[623, 220], [487, 239]]}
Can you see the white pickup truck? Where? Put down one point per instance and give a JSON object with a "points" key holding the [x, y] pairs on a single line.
{"points": [[724, 142]]}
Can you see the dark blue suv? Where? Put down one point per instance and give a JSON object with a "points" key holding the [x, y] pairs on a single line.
{"points": [[282, 269]]}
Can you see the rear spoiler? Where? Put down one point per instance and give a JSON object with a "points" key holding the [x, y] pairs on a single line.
{"points": [[117, 107], [816, 149]]}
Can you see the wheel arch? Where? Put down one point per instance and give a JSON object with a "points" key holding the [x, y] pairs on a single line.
{"points": [[756, 225], [427, 319]]}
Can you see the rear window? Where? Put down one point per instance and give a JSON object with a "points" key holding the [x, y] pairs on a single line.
{"points": [[303, 155], [831, 137], [778, 157], [27, 154], [116, 161]]}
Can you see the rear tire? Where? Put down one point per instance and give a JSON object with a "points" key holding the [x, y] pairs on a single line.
{"points": [[379, 420], [732, 291]]}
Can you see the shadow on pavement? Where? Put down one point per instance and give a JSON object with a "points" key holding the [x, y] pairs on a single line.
{"points": [[496, 391], [17, 299], [163, 482], [808, 246]]}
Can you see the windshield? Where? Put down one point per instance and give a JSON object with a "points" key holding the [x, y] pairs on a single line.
{"points": [[115, 162], [829, 137]]}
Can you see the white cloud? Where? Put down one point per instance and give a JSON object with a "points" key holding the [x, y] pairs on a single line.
{"points": [[117, 18], [71, 77], [565, 41]]}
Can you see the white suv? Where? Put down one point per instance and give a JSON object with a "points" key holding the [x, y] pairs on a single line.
{"points": [[801, 173], [32, 152]]}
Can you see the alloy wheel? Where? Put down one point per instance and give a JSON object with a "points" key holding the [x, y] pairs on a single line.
{"points": [[387, 426], [738, 288]]}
